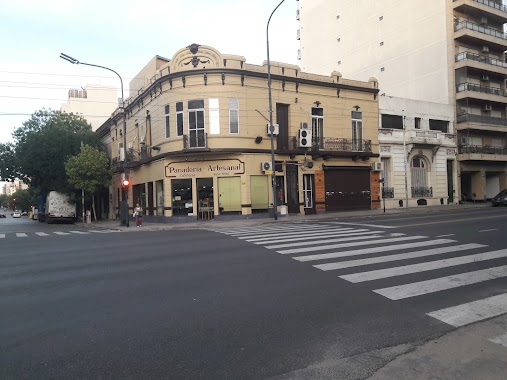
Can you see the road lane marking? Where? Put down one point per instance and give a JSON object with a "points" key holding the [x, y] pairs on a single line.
{"points": [[453, 221], [440, 236], [501, 339], [266, 229], [61, 233], [21, 234], [492, 229], [401, 256], [366, 251], [443, 283], [364, 225], [423, 267], [80, 232], [41, 234], [259, 236], [471, 312], [298, 237], [349, 237], [354, 244]]}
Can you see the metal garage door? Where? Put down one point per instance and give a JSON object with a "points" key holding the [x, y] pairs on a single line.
{"points": [[347, 189]]}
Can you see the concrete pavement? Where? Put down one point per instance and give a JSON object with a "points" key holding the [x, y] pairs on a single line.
{"points": [[238, 222]]}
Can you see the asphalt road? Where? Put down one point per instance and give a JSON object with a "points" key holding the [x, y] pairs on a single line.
{"points": [[197, 304]]}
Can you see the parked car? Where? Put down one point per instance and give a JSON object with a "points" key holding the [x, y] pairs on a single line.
{"points": [[16, 214], [2, 214], [24, 213], [500, 199]]}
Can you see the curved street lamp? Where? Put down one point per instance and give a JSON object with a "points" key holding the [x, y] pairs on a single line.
{"points": [[74, 61], [271, 127]]}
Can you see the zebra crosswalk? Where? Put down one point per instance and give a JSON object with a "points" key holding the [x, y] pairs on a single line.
{"points": [[387, 256], [53, 233]]}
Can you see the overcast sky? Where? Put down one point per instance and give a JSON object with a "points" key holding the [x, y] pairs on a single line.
{"points": [[123, 35]]}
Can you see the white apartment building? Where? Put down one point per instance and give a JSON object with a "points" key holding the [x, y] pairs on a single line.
{"points": [[9, 188], [93, 102], [441, 51], [418, 152]]}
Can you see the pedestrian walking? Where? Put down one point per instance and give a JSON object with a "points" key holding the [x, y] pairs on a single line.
{"points": [[138, 215]]}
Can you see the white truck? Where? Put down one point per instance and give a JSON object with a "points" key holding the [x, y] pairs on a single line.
{"points": [[59, 208]]}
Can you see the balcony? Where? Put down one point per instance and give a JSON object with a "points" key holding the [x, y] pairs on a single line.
{"points": [[481, 153], [477, 7], [480, 62], [330, 144], [388, 192], [195, 140], [482, 122], [476, 91], [475, 34], [418, 192]]}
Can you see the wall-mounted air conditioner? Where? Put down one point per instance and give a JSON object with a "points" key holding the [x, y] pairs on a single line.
{"points": [[276, 129], [266, 166], [377, 166], [485, 77], [464, 140], [485, 49], [484, 20], [488, 107], [303, 125]]}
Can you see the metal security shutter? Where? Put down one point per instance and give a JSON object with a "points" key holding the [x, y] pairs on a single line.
{"points": [[347, 189]]}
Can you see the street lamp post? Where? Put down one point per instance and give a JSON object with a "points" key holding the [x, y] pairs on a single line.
{"points": [[74, 61], [271, 127], [405, 158]]}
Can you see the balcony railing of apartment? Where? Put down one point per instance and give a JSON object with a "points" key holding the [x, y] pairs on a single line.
{"points": [[485, 149], [482, 119], [388, 192], [422, 192], [479, 58], [482, 89], [195, 140], [478, 28], [491, 4], [334, 144]]}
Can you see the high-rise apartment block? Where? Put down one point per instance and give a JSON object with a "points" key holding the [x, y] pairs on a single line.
{"points": [[441, 51]]}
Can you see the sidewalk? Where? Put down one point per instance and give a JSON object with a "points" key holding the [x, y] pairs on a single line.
{"points": [[240, 222]]}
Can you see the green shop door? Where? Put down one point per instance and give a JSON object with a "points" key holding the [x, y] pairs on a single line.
{"points": [[229, 189]]}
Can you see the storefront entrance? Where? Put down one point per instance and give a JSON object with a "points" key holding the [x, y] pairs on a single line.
{"points": [[182, 197], [347, 188], [205, 201]]}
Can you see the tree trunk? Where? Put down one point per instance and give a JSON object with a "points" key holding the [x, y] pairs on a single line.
{"points": [[93, 207]]}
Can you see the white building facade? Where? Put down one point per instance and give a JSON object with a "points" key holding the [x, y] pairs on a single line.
{"points": [[441, 51], [95, 103], [418, 153]]}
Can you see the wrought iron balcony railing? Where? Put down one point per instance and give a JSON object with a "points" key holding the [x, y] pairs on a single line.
{"points": [[332, 144], [388, 192], [481, 149], [482, 89], [479, 58], [482, 119], [422, 192], [478, 28], [491, 4], [195, 140]]}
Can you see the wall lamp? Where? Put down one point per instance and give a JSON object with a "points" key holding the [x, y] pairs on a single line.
{"points": [[258, 139]]}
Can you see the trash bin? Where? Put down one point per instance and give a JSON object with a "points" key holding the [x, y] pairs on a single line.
{"points": [[283, 210]]}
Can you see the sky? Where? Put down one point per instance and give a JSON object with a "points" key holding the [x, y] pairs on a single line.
{"points": [[124, 36]]}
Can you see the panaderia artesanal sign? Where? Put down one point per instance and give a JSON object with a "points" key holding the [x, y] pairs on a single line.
{"points": [[186, 169]]}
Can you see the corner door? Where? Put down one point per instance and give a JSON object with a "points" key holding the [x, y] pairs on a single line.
{"points": [[450, 183], [292, 187], [308, 193]]}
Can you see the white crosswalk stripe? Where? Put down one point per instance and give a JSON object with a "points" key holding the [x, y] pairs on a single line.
{"points": [[21, 234], [362, 236], [41, 234], [61, 233], [2, 236], [53, 233], [471, 312], [298, 237], [314, 232], [80, 232], [422, 267], [264, 229]]}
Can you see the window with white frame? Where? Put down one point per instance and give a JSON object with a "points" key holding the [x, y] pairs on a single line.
{"points": [[167, 122], [233, 115], [179, 118], [357, 131], [317, 127], [196, 134], [214, 116]]}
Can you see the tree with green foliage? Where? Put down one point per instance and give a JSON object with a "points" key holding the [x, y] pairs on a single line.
{"points": [[8, 165], [44, 143], [90, 171], [22, 200]]}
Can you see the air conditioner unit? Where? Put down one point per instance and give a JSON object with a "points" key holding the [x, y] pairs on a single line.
{"points": [[305, 138], [377, 166], [485, 77], [304, 125], [464, 141], [485, 49], [488, 107], [275, 131], [266, 166], [484, 20]]}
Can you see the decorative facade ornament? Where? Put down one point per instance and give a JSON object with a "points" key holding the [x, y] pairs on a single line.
{"points": [[385, 149]]}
